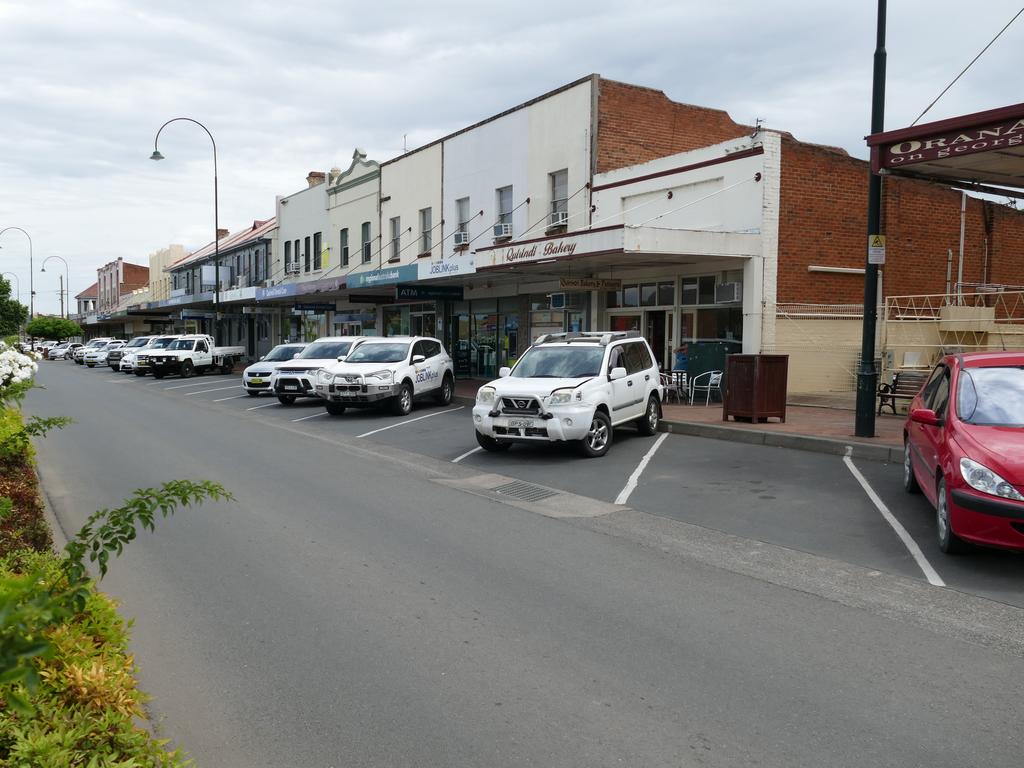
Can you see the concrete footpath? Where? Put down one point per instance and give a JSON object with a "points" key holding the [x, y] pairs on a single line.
{"points": [[807, 428]]}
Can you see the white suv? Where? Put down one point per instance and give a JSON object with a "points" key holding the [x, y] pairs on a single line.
{"points": [[393, 369], [572, 387], [256, 377], [296, 378]]}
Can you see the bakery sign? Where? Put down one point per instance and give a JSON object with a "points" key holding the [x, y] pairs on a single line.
{"points": [[588, 284], [603, 240], [926, 148]]}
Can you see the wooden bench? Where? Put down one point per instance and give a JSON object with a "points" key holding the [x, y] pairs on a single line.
{"points": [[905, 386]]}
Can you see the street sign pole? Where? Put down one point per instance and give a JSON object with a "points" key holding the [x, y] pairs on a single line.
{"points": [[867, 374]]}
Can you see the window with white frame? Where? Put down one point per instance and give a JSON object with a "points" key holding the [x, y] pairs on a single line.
{"points": [[366, 242], [426, 230], [503, 200], [559, 196], [287, 254], [343, 246], [318, 259], [462, 214], [396, 238], [306, 256]]}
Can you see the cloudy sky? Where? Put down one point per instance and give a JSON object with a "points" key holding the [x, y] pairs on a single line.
{"points": [[289, 87]]}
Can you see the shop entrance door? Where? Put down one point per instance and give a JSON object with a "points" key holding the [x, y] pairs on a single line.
{"points": [[484, 346], [658, 332]]}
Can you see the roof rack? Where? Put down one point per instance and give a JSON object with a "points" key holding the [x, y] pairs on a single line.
{"points": [[604, 338]]}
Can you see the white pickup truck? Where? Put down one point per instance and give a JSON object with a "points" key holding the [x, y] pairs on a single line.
{"points": [[194, 353]]}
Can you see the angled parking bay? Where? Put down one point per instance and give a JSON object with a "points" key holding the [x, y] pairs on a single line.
{"points": [[991, 573], [797, 499]]}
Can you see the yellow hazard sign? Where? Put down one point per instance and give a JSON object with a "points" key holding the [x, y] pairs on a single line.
{"points": [[876, 249]]}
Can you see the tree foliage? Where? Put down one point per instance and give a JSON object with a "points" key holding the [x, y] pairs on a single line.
{"points": [[12, 312], [52, 328]]}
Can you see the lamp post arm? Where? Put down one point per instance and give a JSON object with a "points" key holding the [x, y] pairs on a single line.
{"points": [[31, 280]]}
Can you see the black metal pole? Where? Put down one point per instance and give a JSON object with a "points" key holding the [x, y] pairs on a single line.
{"points": [[867, 374]]}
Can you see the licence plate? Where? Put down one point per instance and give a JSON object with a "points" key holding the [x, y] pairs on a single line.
{"points": [[255, 381], [520, 423], [290, 387]]}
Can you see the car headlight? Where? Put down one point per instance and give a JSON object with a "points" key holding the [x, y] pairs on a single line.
{"points": [[385, 375], [324, 377], [560, 397], [485, 395], [983, 479]]}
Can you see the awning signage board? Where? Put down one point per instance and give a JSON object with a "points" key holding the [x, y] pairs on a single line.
{"points": [[586, 243], [428, 292], [588, 284], [389, 276], [277, 292], [456, 266]]}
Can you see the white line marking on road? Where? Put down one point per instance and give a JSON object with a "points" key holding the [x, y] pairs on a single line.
{"points": [[117, 381], [193, 384], [915, 551], [204, 391], [322, 413], [410, 421], [634, 479], [265, 405], [233, 397], [457, 459]]}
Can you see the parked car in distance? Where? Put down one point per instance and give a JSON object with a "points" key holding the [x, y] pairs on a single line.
{"points": [[79, 354], [256, 378], [297, 378], [392, 370], [137, 360], [56, 351], [98, 354], [114, 355], [573, 387], [964, 448], [194, 353], [64, 351]]}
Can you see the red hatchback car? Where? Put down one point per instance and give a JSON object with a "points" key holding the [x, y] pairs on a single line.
{"points": [[964, 448]]}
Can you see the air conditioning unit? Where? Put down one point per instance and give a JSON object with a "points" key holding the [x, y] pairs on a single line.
{"points": [[728, 293], [291, 268], [242, 281], [502, 231], [461, 239], [559, 218], [557, 300]]}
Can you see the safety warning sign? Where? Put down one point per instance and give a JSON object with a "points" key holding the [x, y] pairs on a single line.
{"points": [[876, 249]]}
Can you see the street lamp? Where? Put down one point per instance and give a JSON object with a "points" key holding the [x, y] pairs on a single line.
{"points": [[17, 283], [31, 289], [216, 222], [65, 287]]}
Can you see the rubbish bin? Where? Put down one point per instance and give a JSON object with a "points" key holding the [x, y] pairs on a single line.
{"points": [[755, 387]]}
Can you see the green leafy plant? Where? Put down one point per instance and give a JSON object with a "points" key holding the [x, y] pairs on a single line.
{"points": [[52, 328]]}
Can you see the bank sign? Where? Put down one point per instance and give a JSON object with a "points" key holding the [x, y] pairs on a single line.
{"points": [[392, 276], [938, 146]]}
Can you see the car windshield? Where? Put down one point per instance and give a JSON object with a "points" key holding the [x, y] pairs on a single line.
{"points": [[380, 353], [161, 343], [569, 362], [181, 344], [139, 342], [992, 396], [322, 350], [277, 354]]}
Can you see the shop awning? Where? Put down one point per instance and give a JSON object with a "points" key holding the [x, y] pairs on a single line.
{"points": [[983, 151]]}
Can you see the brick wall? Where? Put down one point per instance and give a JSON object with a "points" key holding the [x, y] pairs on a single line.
{"points": [[823, 222], [135, 276], [637, 124]]}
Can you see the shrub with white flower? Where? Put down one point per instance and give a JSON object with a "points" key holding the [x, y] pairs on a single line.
{"points": [[15, 369]]}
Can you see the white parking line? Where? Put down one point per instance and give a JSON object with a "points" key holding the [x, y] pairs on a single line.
{"points": [[193, 384], [457, 459], [204, 391], [233, 397], [911, 545], [409, 421], [265, 405], [117, 381], [634, 479], [322, 413]]}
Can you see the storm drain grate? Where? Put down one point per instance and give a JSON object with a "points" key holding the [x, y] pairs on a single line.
{"points": [[524, 491]]}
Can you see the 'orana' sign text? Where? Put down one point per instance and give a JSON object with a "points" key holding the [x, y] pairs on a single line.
{"points": [[997, 136]]}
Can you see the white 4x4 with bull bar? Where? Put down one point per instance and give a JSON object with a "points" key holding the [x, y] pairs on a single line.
{"points": [[573, 387], [392, 369]]}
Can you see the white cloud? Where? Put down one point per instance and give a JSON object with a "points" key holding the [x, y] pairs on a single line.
{"points": [[291, 87]]}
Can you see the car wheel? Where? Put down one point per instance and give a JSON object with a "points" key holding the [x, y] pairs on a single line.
{"points": [[227, 368], [445, 391], [286, 399], [335, 409], [648, 423], [909, 480], [401, 404], [139, 373], [187, 369], [599, 437], [158, 374], [949, 542], [488, 443], [250, 393], [90, 365]]}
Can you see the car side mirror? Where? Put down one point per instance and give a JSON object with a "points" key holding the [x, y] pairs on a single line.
{"points": [[296, 355], [418, 359], [263, 358], [617, 373], [926, 416], [504, 371], [341, 358]]}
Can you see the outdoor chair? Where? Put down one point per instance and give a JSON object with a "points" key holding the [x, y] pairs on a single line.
{"points": [[709, 381], [675, 385]]}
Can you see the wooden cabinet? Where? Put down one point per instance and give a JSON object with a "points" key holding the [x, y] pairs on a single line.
{"points": [[755, 387]]}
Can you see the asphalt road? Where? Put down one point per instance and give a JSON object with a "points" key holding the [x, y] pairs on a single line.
{"points": [[361, 605]]}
